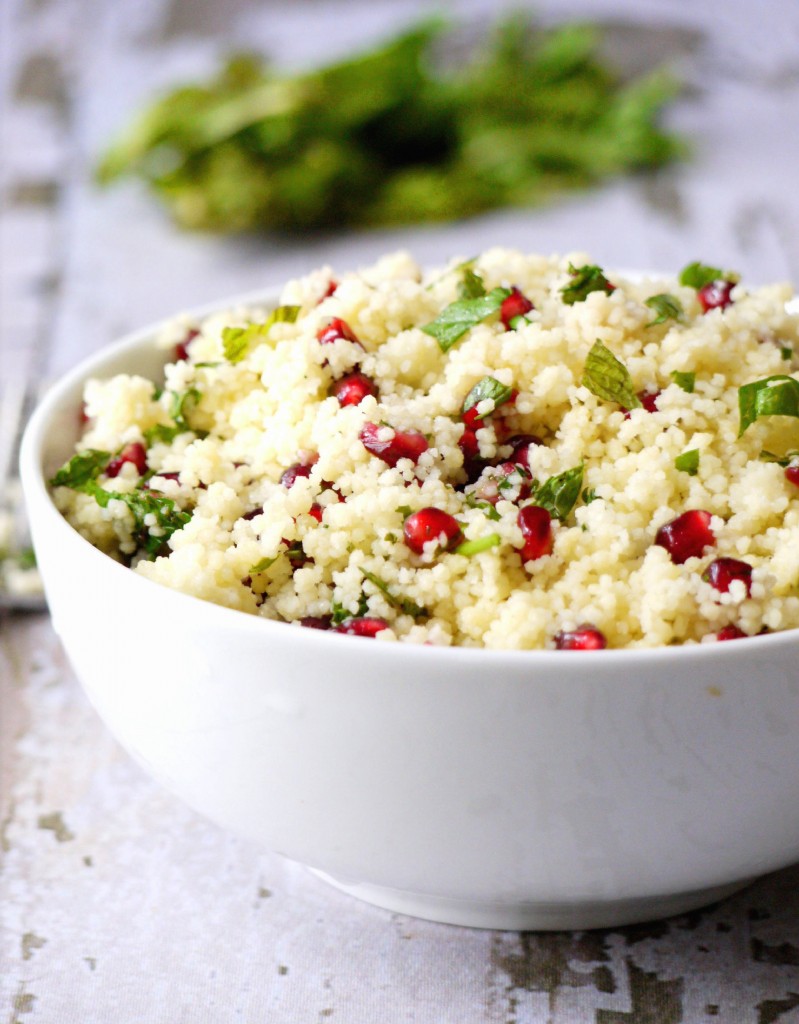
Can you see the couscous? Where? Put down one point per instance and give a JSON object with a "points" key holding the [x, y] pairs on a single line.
{"points": [[511, 452]]}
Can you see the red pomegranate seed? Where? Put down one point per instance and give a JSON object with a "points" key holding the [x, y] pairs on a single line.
{"points": [[792, 474], [516, 304], [715, 295], [405, 444], [468, 444], [182, 347], [352, 389], [649, 401], [83, 416], [334, 330], [730, 632], [316, 622], [431, 524], [134, 453], [298, 469], [331, 290], [364, 626], [475, 421], [316, 512], [584, 638], [721, 573], [687, 536], [536, 526], [521, 444]]}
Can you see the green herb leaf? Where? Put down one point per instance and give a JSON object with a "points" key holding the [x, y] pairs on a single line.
{"points": [[686, 381], [667, 307], [474, 547], [688, 462], [782, 460], [589, 495], [471, 286], [485, 507], [559, 494], [26, 559], [773, 396], [81, 469], [263, 565], [341, 614], [236, 341], [697, 275], [405, 511], [458, 317], [608, 378], [585, 280], [402, 604], [786, 353], [487, 388], [178, 411], [144, 505]]}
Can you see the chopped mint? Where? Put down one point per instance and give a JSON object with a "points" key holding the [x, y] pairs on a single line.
{"points": [[237, 340], [786, 352], [341, 614], [686, 381], [773, 396], [585, 280], [782, 460], [608, 378], [559, 494], [487, 388], [485, 507], [697, 275], [688, 462], [81, 470], [402, 604], [666, 307], [178, 411], [471, 286], [589, 495], [263, 565], [458, 317]]}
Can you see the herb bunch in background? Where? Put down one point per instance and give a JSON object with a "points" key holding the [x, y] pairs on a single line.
{"points": [[388, 138]]}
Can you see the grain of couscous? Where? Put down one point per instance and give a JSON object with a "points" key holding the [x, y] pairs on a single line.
{"points": [[511, 452]]}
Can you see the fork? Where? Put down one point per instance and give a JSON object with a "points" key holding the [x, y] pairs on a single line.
{"points": [[20, 584]]}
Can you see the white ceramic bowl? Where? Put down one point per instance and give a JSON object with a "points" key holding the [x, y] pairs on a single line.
{"points": [[523, 790]]}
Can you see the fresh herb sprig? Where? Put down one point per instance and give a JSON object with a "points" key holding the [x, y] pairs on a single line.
{"points": [[390, 137]]}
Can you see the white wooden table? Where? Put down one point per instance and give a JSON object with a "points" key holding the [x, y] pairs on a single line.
{"points": [[119, 904]]}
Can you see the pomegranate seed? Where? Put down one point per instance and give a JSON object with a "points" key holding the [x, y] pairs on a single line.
{"points": [[584, 638], [298, 469], [474, 420], [83, 416], [182, 347], [536, 526], [253, 513], [365, 626], [134, 453], [721, 573], [431, 524], [730, 632], [521, 444], [468, 444], [792, 474], [316, 622], [649, 401], [334, 330], [516, 304], [405, 444], [687, 536], [331, 290], [315, 511], [352, 389], [715, 295]]}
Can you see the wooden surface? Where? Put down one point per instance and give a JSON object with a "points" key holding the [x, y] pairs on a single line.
{"points": [[119, 904]]}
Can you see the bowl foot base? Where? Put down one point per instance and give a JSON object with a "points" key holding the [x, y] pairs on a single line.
{"points": [[555, 916]]}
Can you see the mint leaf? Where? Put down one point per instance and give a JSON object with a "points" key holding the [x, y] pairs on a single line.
{"points": [[589, 495], [471, 286], [559, 494], [402, 604], [688, 462], [585, 280], [667, 307], [341, 614], [178, 411], [786, 353], [237, 340], [81, 470], [474, 547], [485, 507], [697, 275], [488, 387], [142, 505], [686, 381], [263, 565], [458, 317], [774, 396], [608, 378]]}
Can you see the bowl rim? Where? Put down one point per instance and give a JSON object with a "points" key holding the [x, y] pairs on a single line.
{"points": [[36, 489]]}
